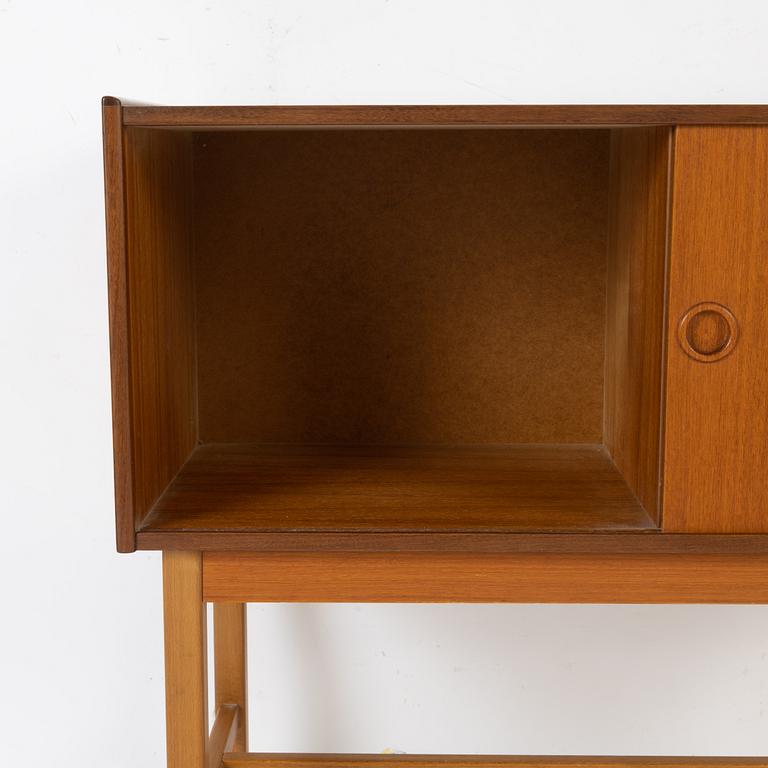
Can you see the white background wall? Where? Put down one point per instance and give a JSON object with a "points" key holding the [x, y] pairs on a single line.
{"points": [[81, 650]]}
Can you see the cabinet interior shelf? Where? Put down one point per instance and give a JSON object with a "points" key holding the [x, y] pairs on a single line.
{"points": [[504, 489]]}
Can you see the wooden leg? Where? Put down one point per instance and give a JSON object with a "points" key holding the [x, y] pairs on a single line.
{"points": [[231, 665], [186, 673]]}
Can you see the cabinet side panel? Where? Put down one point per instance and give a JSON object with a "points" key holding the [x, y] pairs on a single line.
{"points": [[635, 307], [117, 284], [716, 433], [158, 177]]}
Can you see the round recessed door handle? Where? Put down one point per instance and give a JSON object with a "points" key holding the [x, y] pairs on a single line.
{"points": [[708, 332]]}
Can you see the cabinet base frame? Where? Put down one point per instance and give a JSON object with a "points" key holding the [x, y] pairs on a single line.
{"points": [[429, 577], [190, 579]]}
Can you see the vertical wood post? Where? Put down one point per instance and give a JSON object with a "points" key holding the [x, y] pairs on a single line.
{"points": [[186, 668], [231, 664]]}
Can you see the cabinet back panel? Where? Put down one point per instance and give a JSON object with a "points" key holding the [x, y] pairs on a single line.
{"points": [[431, 286]]}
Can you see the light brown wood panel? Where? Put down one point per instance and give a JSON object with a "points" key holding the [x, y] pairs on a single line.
{"points": [[463, 578], [186, 675], [401, 287], [271, 760], [716, 435], [635, 307], [454, 115], [120, 357], [231, 665], [250, 488], [158, 182]]}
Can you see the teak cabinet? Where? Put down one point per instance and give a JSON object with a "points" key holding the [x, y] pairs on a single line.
{"points": [[492, 353]]}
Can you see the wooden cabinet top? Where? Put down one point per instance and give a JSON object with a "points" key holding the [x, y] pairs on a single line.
{"points": [[445, 115]]}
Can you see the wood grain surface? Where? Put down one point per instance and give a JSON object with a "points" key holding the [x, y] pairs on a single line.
{"points": [[463, 578], [119, 334], [402, 489], [223, 734], [230, 638], [186, 670], [453, 115], [388, 313], [640, 159], [158, 183], [716, 445], [624, 543], [408, 287]]}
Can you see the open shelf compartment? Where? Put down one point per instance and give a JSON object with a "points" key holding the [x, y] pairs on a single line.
{"points": [[417, 330]]}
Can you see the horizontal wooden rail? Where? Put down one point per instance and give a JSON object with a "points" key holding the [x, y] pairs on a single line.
{"points": [[447, 115], [486, 578], [646, 543], [267, 760]]}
